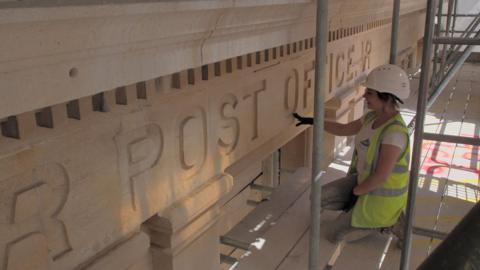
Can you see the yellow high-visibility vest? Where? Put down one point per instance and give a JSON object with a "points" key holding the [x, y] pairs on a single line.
{"points": [[381, 207]]}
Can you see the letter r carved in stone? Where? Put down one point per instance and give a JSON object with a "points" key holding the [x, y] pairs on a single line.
{"points": [[31, 232], [366, 52]]}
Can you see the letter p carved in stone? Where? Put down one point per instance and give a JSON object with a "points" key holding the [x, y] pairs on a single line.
{"points": [[32, 235], [139, 150]]}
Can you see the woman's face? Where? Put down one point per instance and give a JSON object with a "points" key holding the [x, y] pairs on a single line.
{"points": [[372, 100]]}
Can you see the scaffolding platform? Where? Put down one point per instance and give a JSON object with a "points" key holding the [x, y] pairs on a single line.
{"points": [[448, 188]]}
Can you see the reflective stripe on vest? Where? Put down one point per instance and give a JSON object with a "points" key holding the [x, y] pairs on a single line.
{"points": [[388, 192], [398, 168], [382, 206]]}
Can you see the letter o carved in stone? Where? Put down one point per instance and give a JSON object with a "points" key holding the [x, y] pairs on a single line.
{"points": [[192, 142], [291, 92]]}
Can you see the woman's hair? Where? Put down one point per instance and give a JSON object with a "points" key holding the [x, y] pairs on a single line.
{"points": [[388, 98]]}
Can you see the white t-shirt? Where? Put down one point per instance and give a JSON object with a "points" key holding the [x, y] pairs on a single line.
{"points": [[362, 141]]}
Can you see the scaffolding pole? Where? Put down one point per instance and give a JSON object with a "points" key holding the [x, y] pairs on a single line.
{"points": [[468, 32], [455, 32], [457, 40], [436, 53], [444, 46], [461, 15], [455, 9], [319, 111], [451, 6], [417, 143], [394, 37], [447, 77], [451, 139]]}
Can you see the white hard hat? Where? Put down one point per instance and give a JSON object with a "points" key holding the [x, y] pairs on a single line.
{"points": [[389, 79]]}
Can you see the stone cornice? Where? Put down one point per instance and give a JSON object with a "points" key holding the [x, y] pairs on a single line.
{"points": [[55, 54]]}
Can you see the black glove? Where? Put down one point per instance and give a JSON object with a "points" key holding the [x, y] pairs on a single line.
{"points": [[349, 206], [303, 120]]}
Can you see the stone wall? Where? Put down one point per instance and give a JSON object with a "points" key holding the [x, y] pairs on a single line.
{"points": [[136, 176], [71, 51]]}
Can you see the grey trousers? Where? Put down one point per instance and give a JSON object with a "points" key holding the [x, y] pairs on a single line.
{"points": [[335, 196]]}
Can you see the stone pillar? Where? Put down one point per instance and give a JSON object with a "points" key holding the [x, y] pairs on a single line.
{"points": [[131, 254], [271, 170], [185, 236], [269, 180], [192, 246], [294, 153]]}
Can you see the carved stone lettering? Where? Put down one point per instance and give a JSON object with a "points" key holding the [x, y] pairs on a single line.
{"points": [[366, 51], [343, 67], [350, 72], [308, 82], [192, 136], [339, 69], [32, 231], [291, 92], [28, 252], [230, 125], [254, 97], [330, 79], [139, 150]]}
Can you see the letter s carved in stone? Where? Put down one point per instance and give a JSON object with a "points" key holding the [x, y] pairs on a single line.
{"points": [[230, 126]]}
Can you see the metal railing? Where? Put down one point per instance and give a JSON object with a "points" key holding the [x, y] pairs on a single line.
{"points": [[321, 40], [446, 63], [451, 58]]}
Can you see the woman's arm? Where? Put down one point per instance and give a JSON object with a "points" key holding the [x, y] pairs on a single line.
{"points": [[389, 154], [334, 128], [339, 129]]}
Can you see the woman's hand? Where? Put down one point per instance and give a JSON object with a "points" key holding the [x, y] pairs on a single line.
{"points": [[338, 129], [303, 120], [356, 192]]}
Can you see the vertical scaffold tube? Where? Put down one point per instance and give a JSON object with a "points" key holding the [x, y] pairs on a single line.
{"points": [[394, 37], [320, 69], [417, 143]]}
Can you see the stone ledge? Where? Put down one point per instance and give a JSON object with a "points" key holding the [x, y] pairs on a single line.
{"points": [[53, 55], [145, 6]]}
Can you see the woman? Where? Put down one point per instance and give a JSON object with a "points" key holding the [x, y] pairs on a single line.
{"points": [[374, 192]]}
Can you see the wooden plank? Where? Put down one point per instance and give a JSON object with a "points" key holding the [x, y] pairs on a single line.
{"points": [[291, 229], [365, 254], [258, 221], [276, 241], [298, 258]]}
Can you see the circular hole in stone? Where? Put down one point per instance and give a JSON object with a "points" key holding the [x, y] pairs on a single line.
{"points": [[73, 72]]}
